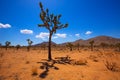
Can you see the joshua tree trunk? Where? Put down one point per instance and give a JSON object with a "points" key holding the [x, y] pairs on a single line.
{"points": [[49, 47]]}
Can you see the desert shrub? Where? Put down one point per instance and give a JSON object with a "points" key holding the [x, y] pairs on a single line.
{"points": [[112, 66], [16, 77], [79, 62], [93, 57], [85, 49], [70, 46], [34, 71], [27, 62]]}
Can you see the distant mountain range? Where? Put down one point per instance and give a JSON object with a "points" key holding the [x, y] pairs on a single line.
{"points": [[97, 41], [44, 44]]}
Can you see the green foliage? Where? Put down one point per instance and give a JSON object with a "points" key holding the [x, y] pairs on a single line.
{"points": [[50, 21], [29, 42]]}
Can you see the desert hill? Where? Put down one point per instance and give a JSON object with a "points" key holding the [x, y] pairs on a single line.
{"points": [[97, 41], [45, 43]]}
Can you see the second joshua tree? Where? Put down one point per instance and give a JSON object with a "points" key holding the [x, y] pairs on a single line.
{"points": [[29, 44], [91, 44], [52, 23], [7, 44]]}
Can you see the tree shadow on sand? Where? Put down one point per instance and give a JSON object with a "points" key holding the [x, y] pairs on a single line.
{"points": [[46, 66]]}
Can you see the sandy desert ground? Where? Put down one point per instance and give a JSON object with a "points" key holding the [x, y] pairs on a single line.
{"points": [[84, 65]]}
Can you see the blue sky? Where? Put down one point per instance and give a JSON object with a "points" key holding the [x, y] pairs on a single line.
{"points": [[86, 18]]}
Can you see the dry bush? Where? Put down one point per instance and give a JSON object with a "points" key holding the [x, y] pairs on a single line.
{"points": [[79, 62], [34, 71], [93, 57], [27, 62], [112, 66]]}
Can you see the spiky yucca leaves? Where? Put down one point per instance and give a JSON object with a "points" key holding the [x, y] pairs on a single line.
{"points": [[29, 44], [52, 23], [91, 44], [7, 44]]}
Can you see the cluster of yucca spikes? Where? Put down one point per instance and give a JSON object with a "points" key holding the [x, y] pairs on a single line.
{"points": [[52, 23], [29, 44]]}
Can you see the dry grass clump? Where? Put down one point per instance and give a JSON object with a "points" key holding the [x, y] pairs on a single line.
{"points": [[93, 58], [27, 62], [34, 71], [79, 62], [112, 66]]}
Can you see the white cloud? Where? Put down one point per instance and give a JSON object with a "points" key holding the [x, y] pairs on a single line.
{"points": [[54, 37], [26, 31], [77, 35], [45, 35], [42, 35], [5, 25], [88, 33], [60, 35]]}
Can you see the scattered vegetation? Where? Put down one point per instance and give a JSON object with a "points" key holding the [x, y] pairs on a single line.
{"points": [[112, 66], [78, 46], [118, 45], [52, 23], [70, 46], [17, 46], [29, 44], [91, 44], [103, 45], [7, 44], [79, 62]]}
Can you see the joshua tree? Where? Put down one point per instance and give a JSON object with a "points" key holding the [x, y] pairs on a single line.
{"points": [[118, 45], [7, 44], [52, 23], [69, 45], [91, 44], [29, 44], [17, 46]]}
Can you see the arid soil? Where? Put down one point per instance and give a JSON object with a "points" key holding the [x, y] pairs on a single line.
{"points": [[84, 65]]}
